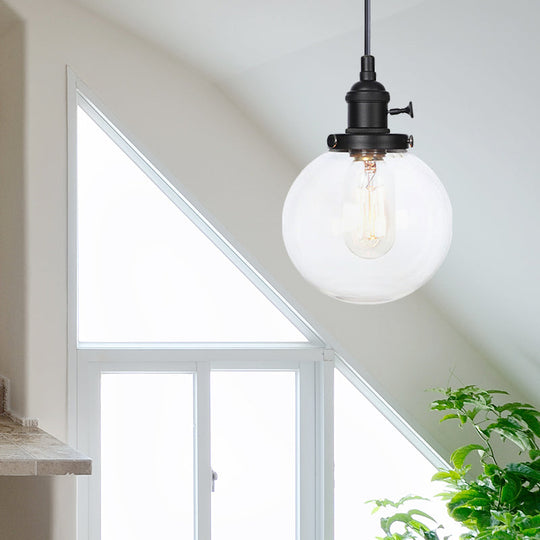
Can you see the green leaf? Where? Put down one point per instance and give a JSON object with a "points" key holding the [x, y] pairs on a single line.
{"points": [[510, 406], [462, 498], [461, 513], [479, 503], [445, 476], [441, 475], [411, 498], [416, 512], [387, 523], [473, 413], [458, 456], [525, 471], [510, 490], [491, 469], [530, 419], [441, 405], [448, 417], [531, 522], [383, 503], [509, 432]]}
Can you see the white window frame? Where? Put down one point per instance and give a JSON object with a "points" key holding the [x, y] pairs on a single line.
{"points": [[79, 95], [308, 364], [314, 361], [87, 361]]}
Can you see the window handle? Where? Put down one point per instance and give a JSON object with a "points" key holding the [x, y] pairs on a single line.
{"points": [[214, 478]]}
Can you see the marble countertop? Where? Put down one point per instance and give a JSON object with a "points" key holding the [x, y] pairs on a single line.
{"points": [[30, 451]]}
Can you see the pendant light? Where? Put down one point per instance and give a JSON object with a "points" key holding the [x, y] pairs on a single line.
{"points": [[367, 222]]}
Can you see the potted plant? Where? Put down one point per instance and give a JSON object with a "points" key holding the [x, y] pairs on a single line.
{"points": [[501, 501]]}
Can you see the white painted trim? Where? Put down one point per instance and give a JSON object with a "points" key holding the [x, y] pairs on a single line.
{"points": [[147, 366], [199, 345], [308, 507], [72, 408], [306, 448], [203, 466], [325, 446], [249, 357], [74, 397], [89, 438]]}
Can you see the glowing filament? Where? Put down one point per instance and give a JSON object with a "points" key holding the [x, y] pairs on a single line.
{"points": [[366, 211]]}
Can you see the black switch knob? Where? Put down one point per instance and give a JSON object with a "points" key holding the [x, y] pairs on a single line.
{"points": [[407, 110]]}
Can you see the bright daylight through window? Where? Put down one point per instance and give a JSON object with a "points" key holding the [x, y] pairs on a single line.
{"points": [[254, 444], [136, 437], [146, 272], [202, 395], [373, 461]]}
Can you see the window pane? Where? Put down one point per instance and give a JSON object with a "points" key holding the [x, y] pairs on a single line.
{"points": [[146, 272], [373, 461], [253, 452], [147, 456]]}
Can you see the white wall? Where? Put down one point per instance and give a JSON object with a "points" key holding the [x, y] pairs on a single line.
{"points": [[12, 229], [215, 153]]}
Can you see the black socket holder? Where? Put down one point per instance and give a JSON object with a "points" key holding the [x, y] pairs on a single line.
{"points": [[368, 117]]}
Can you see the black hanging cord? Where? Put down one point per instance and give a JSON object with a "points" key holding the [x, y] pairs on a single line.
{"points": [[367, 27]]}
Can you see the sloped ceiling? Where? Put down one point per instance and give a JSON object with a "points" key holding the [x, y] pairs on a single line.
{"points": [[470, 67], [227, 38]]}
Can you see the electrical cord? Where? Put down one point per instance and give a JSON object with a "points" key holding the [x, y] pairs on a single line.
{"points": [[367, 27]]}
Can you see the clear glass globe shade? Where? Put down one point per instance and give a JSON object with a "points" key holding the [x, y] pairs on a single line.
{"points": [[367, 232]]}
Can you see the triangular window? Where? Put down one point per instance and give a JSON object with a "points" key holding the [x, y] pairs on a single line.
{"points": [[146, 272]]}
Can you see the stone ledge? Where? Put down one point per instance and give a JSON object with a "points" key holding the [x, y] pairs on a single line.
{"points": [[30, 451], [26, 450]]}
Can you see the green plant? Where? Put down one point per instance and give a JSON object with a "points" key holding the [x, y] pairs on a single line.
{"points": [[502, 502], [413, 523]]}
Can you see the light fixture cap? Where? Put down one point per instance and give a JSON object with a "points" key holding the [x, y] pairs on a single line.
{"points": [[368, 117]]}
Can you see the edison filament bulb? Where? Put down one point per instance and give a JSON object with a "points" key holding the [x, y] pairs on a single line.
{"points": [[368, 206]]}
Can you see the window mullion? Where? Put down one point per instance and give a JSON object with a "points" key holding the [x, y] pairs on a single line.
{"points": [[203, 468], [89, 441], [306, 453], [325, 446]]}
